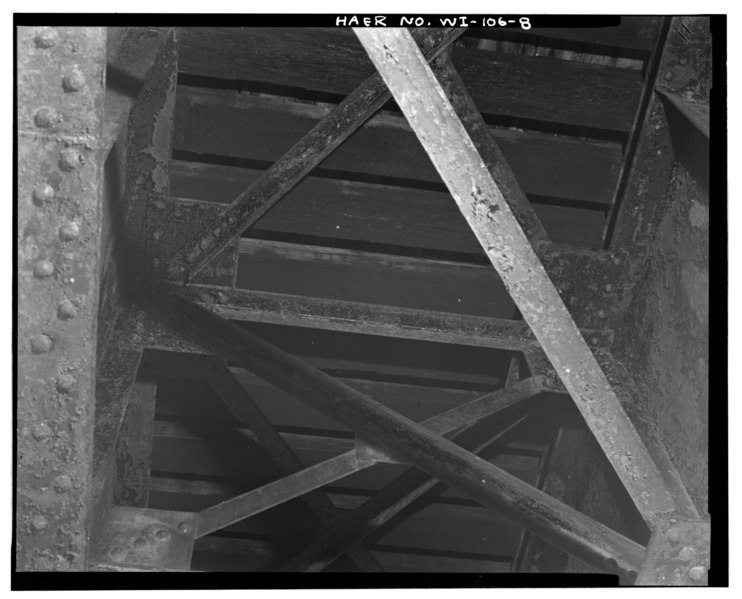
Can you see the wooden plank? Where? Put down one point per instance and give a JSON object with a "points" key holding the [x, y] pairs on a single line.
{"points": [[303, 156], [227, 554], [634, 33], [238, 457], [342, 209], [434, 526], [410, 562], [226, 123], [331, 60], [373, 278]]}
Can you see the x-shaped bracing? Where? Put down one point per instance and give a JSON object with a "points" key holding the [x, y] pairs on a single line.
{"points": [[495, 207]]}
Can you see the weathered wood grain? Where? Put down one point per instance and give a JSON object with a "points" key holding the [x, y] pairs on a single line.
{"points": [[226, 123], [331, 60]]}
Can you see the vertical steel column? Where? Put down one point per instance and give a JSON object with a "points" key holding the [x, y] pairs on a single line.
{"points": [[61, 74], [434, 121]]}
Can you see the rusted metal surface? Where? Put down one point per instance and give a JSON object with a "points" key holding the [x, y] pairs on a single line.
{"points": [[60, 107], [678, 554], [685, 69], [391, 500], [132, 51], [493, 158], [431, 116], [154, 540], [115, 380], [134, 447], [635, 406], [305, 155], [403, 439], [289, 487], [148, 150], [371, 319], [170, 222]]}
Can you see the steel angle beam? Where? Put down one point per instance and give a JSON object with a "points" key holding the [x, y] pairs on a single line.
{"points": [[455, 156]]}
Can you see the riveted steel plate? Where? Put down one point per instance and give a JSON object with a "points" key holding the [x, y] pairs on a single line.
{"points": [[678, 554], [156, 540]]}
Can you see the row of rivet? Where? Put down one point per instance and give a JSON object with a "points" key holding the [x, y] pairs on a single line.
{"points": [[696, 573], [119, 553], [69, 159]]}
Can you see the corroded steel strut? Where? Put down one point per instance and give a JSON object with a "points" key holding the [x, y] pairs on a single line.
{"points": [[456, 158], [402, 439]]}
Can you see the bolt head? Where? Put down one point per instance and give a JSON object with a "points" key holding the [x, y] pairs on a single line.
{"points": [[62, 483], [74, 80], [117, 554], [70, 159], [674, 535], [41, 432], [697, 573], [686, 554], [46, 37], [46, 117], [139, 542], [41, 344], [43, 269], [39, 523], [43, 193], [65, 382], [162, 534], [69, 231], [185, 527], [66, 310]]}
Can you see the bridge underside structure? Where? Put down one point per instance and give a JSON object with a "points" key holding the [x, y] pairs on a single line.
{"points": [[152, 271]]}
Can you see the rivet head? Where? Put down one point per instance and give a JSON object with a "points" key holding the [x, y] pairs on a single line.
{"points": [[139, 542], [69, 231], [156, 235], [594, 341], [46, 117], [117, 554], [203, 244], [65, 382], [667, 75], [41, 432], [686, 554], [601, 314], [70, 159], [66, 310], [43, 269], [39, 523], [74, 80], [162, 535], [608, 288], [683, 60], [674, 535], [43, 193], [697, 573], [62, 483], [46, 37], [184, 527], [41, 344], [155, 262]]}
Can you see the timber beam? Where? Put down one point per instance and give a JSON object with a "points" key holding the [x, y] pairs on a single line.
{"points": [[305, 155], [403, 439], [436, 124]]}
